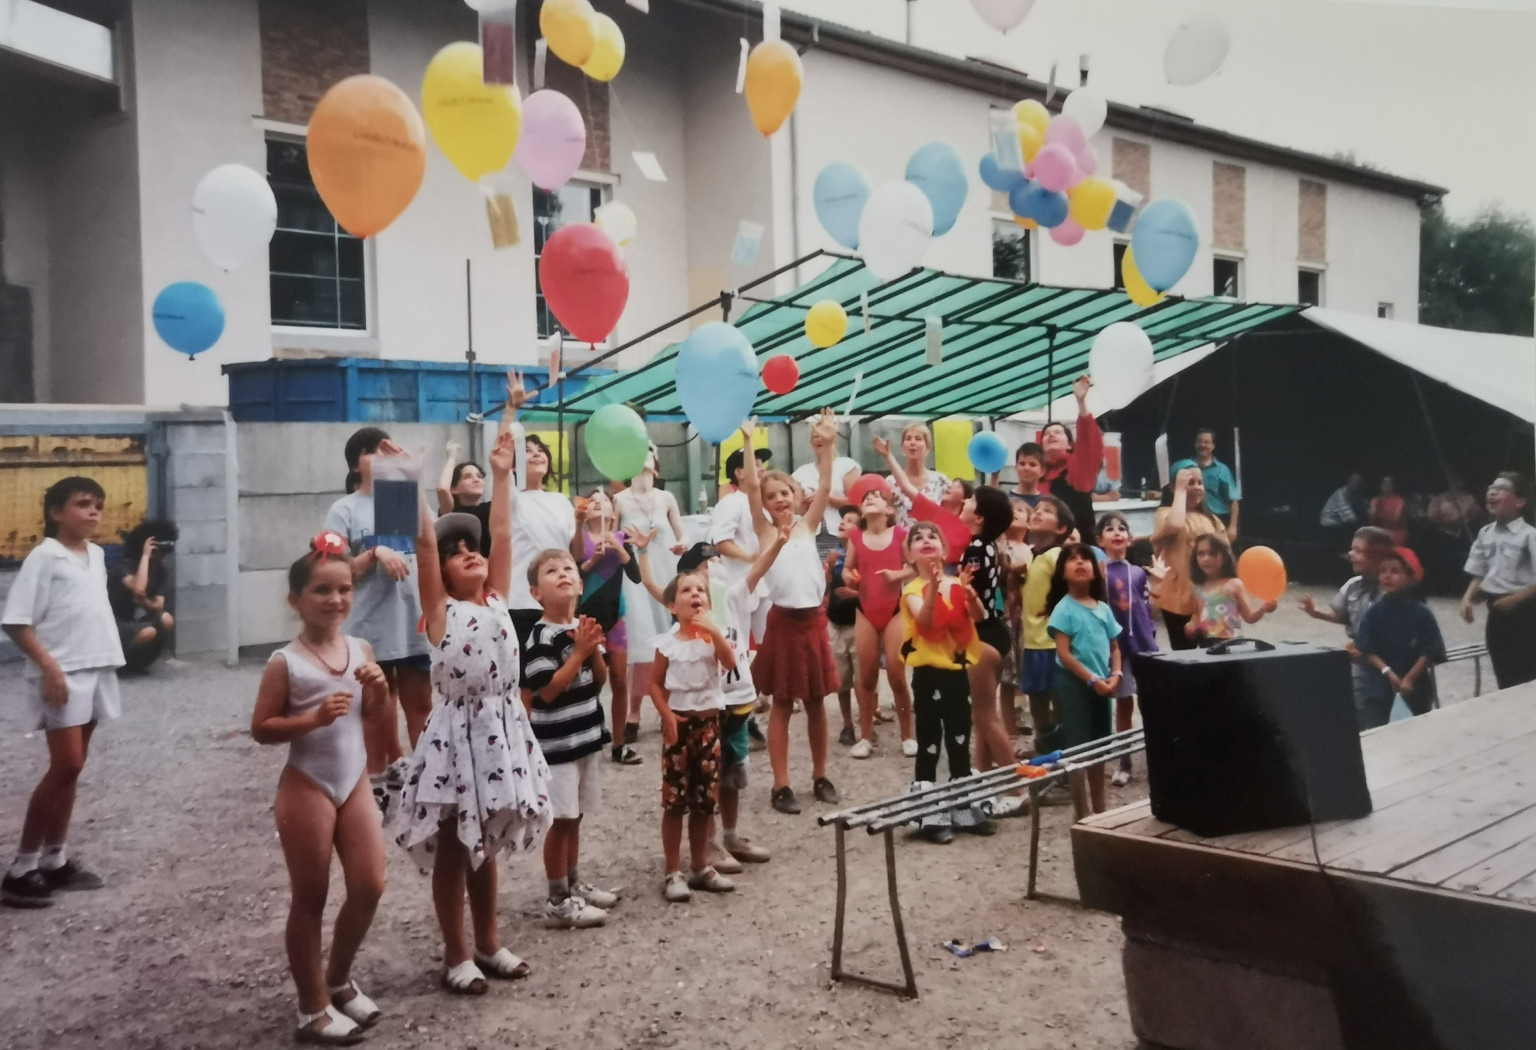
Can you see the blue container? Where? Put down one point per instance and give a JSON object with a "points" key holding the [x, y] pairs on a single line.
{"points": [[370, 390]]}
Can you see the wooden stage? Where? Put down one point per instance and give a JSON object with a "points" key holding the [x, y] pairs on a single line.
{"points": [[1413, 927]]}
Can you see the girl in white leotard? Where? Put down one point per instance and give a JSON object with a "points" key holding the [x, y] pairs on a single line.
{"points": [[313, 697]]}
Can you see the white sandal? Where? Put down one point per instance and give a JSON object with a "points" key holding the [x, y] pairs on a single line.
{"points": [[361, 1009], [502, 965], [339, 1030], [465, 979]]}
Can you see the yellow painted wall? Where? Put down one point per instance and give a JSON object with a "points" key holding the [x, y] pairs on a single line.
{"points": [[951, 438], [734, 442], [558, 445], [30, 464]]}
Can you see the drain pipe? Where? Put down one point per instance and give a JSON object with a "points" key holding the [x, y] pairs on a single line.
{"points": [[231, 541]]}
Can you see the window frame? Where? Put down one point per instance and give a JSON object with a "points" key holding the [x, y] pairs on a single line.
{"points": [[1237, 261], [602, 184], [1117, 252], [1386, 311], [1322, 285]]}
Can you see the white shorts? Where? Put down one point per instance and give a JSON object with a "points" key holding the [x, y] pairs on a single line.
{"points": [[93, 697], [576, 787]]}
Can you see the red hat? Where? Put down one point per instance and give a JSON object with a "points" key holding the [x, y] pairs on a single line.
{"points": [[1410, 559]]}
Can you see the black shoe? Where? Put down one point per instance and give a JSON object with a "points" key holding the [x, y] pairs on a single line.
{"points": [[71, 876], [784, 800], [26, 891], [631, 732], [847, 737], [938, 834], [755, 733], [822, 788]]}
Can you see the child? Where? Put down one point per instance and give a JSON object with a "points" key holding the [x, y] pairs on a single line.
{"points": [[1399, 637], [461, 487], [563, 674], [1502, 564], [685, 686], [945, 513], [989, 513], [1225, 601], [1128, 595], [1029, 463], [1087, 662], [1357, 595], [1015, 554], [842, 616], [1049, 525], [313, 696], [607, 561], [58, 615], [477, 783], [877, 566], [939, 641]]}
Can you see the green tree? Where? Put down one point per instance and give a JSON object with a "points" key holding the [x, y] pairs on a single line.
{"points": [[1477, 275]]}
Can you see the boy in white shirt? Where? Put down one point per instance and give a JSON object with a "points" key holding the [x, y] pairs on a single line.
{"points": [[58, 615]]}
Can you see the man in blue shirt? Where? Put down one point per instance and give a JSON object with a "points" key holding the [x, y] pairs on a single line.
{"points": [[1222, 494]]}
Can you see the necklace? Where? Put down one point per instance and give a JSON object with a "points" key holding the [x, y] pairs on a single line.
{"points": [[322, 660]]}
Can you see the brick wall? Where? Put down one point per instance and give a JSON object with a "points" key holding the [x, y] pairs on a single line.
{"points": [[591, 96], [1312, 222], [306, 46], [1229, 206], [1131, 163]]}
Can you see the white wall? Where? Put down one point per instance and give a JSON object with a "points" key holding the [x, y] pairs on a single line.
{"points": [[1373, 253], [24, 193]]}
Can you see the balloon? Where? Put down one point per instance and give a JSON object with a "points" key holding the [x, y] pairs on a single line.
{"points": [[938, 171], [866, 484], [826, 323], [1068, 233], [1044, 206], [1136, 286], [1028, 224], [367, 153], [840, 193], [585, 281], [1021, 198], [996, 178], [774, 76], [189, 317], [618, 221], [780, 373], [1064, 131], [895, 229], [617, 442], [570, 26], [1091, 201], [607, 50], [233, 215], [1033, 114], [475, 124], [1088, 108], [1030, 141], [554, 139], [1055, 169], [1120, 363], [1087, 162], [1002, 15], [1196, 50], [716, 379], [987, 452], [1263, 573], [1165, 240]]}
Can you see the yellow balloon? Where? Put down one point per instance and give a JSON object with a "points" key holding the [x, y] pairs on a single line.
{"points": [[1032, 114], [1091, 201], [1030, 142], [570, 26], [826, 323], [1028, 224], [774, 76], [607, 52], [475, 124], [1136, 287]]}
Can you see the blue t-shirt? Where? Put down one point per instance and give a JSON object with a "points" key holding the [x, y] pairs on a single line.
{"points": [[1091, 631], [1400, 630], [1221, 488]]}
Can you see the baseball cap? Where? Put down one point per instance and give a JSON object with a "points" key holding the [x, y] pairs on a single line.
{"points": [[735, 461], [451, 528], [695, 556]]}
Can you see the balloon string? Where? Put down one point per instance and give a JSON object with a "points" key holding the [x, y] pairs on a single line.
{"points": [[629, 126]]}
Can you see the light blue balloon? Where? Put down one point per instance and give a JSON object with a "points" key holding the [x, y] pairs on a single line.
{"points": [[189, 317], [995, 177], [716, 380], [987, 452], [1021, 197], [1164, 241], [839, 194], [938, 171]]}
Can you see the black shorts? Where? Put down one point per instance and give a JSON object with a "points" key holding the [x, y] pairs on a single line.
{"points": [[422, 663], [993, 631]]}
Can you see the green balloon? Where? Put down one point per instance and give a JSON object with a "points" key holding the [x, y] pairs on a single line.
{"points": [[617, 442]]}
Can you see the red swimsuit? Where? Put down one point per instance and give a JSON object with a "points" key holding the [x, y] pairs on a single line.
{"points": [[878, 599]]}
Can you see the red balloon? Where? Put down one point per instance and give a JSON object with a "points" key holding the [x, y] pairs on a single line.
{"points": [[780, 374], [585, 280], [866, 484]]}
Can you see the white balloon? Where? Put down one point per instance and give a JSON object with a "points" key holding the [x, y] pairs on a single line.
{"points": [[1002, 15], [1120, 364], [1088, 108], [233, 215], [894, 229], [1196, 50]]}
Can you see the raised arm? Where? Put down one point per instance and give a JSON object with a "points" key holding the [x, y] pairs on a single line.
{"points": [[751, 485], [517, 396], [824, 441], [1248, 606], [898, 474], [1171, 524], [429, 573], [1088, 446], [445, 479], [499, 571]]}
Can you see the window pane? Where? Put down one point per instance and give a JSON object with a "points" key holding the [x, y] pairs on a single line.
{"points": [[1010, 250], [318, 270], [306, 254], [1120, 250], [349, 257], [307, 301], [1226, 277], [1309, 287], [354, 308]]}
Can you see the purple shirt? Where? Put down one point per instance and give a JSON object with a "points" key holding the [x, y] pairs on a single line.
{"points": [[1127, 588]]}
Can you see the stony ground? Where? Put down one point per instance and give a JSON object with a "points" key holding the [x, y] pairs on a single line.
{"points": [[184, 946]]}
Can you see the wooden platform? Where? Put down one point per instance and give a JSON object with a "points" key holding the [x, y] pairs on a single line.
{"points": [[1413, 927]]}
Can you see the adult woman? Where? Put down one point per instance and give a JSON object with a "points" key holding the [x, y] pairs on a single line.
{"points": [[916, 443], [1180, 521], [1388, 512], [541, 520], [137, 594], [461, 487]]}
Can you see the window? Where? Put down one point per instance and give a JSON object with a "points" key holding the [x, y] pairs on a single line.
{"points": [[1010, 250], [318, 270], [1121, 247], [1227, 277], [1384, 311], [1309, 287], [573, 202]]}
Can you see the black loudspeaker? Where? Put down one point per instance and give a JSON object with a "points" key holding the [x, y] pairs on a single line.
{"points": [[1248, 736]]}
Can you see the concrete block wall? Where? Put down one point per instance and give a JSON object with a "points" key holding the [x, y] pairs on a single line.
{"points": [[197, 499]]}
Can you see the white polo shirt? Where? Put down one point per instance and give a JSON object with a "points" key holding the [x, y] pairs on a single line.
{"points": [[62, 596]]}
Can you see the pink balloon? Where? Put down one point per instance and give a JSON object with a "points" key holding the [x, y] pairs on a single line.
{"points": [[1068, 233], [553, 141], [1065, 131], [1087, 162], [1055, 169]]}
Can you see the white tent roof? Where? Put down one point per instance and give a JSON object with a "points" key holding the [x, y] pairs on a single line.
{"points": [[1066, 407]]}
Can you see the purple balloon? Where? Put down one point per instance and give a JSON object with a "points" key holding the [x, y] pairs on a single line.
{"points": [[1055, 168], [1068, 233], [553, 141]]}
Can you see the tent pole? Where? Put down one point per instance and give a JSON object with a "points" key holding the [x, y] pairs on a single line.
{"points": [[1050, 373]]}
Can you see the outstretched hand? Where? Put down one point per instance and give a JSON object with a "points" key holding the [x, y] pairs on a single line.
{"points": [[824, 430], [517, 393], [882, 446], [1080, 387], [504, 455]]}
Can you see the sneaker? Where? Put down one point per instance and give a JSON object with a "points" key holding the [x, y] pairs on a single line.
{"points": [[26, 891], [822, 788], [1121, 778], [909, 748], [573, 913], [603, 899], [784, 800], [676, 888], [1056, 794], [756, 740], [710, 881], [722, 861], [863, 749], [847, 736], [1007, 806], [71, 876], [631, 732], [747, 851]]}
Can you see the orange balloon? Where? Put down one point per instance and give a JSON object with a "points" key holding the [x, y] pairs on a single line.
{"points": [[1263, 573], [367, 153], [774, 77]]}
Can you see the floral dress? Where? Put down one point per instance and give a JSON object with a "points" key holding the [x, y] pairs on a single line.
{"points": [[477, 761]]}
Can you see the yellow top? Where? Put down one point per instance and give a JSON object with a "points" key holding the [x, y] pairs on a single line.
{"points": [[1037, 588], [944, 651], [1176, 594]]}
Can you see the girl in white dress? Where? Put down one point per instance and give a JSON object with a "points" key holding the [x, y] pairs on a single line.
{"points": [[649, 512], [477, 783]]}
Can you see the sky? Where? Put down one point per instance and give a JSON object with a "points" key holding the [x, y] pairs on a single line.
{"points": [[1439, 91]]}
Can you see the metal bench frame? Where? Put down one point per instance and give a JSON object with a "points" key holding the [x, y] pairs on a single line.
{"points": [[1474, 651]]}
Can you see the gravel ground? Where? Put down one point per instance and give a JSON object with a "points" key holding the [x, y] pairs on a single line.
{"points": [[184, 946]]}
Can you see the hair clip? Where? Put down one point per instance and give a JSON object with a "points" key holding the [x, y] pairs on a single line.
{"points": [[328, 543]]}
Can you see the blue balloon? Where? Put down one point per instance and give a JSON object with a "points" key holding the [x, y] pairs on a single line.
{"points": [[1021, 197], [189, 317], [938, 171], [716, 380], [987, 452], [996, 178], [1049, 208], [1164, 241], [839, 194]]}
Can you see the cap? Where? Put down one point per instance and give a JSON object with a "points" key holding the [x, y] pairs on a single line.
{"points": [[695, 556], [1410, 559], [735, 461], [458, 526]]}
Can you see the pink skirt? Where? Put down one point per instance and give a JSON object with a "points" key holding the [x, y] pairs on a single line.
{"points": [[795, 661]]}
